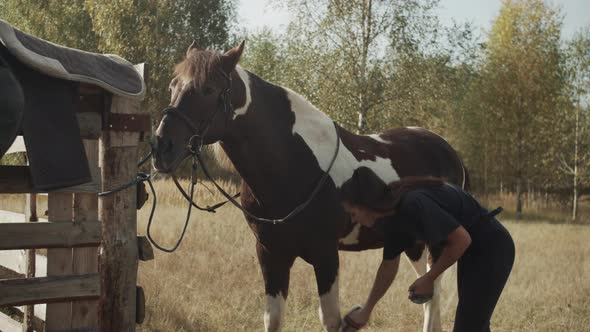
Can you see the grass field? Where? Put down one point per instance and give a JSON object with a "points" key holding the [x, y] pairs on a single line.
{"points": [[213, 282]]}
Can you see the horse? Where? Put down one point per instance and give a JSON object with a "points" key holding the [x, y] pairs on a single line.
{"points": [[282, 147]]}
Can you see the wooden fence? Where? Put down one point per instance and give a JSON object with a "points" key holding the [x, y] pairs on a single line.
{"points": [[84, 288]]}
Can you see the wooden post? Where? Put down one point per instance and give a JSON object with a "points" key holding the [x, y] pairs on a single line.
{"points": [[85, 260], [59, 263], [117, 212], [30, 216]]}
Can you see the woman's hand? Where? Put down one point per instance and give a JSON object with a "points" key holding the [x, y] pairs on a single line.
{"points": [[360, 316], [422, 288]]}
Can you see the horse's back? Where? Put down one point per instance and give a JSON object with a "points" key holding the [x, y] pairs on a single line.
{"points": [[417, 151], [413, 151]]}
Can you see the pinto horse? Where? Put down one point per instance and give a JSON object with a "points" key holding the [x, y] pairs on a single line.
{"points": [[282, 146]]}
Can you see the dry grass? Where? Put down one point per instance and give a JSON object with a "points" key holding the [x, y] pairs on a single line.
{"points": [[213, 282]]}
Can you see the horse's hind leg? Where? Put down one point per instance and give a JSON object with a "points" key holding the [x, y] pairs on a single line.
{"points": [[275, 271], [418, 257], [325, 266]]}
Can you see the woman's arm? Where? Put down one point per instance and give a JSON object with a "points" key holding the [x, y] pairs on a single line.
{"points": [[457, 242], [383, 279]]}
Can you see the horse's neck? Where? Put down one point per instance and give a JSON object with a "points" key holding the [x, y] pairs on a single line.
{"points": [[278, 140]]}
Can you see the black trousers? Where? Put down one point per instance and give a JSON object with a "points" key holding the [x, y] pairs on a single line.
{"points": [[481, 275]]}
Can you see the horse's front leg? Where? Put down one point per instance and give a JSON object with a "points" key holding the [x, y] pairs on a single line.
{"points": [[275, 271], [325, 265], [418, 257]]}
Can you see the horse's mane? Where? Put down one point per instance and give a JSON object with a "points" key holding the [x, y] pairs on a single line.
{"points": [[199, 67]]}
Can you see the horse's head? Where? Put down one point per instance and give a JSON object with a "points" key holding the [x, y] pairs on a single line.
{"points": [[200, 105]]}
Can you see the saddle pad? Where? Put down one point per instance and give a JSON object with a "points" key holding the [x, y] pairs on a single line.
{"points": [[50, 127], [11, 107], [108, 71]]}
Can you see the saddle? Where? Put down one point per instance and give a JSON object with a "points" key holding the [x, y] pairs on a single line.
{"points": [[49, 76], [108, 71]]}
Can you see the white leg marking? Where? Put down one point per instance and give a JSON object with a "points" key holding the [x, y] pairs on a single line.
{"points": [[330, 308], [352, 237], [273, 315], [432, 307]]}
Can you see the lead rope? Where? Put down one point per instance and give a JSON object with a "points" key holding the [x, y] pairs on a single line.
{"points": [[188, 214]]}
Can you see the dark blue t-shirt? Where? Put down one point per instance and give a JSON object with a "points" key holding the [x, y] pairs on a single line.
{"points": [[429, 215]]}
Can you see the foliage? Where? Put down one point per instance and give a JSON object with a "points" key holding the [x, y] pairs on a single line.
{"points": [[351, 55], [513, 102], [155, 32], [519, 96], [64, 22]]}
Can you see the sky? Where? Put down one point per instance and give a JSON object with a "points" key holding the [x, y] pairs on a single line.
{"points": [[256, 14]]}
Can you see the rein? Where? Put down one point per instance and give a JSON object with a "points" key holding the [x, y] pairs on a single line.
{"points": [[194, 147], [291, 214]]}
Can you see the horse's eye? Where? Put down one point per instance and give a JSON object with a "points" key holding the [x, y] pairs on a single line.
{"points": [[207, 91]]}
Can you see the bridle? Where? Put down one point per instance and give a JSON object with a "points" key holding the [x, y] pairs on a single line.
{"points": [[194, 148]]}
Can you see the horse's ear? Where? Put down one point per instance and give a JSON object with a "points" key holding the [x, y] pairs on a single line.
{"points": [[193, 45], [232, 57]]}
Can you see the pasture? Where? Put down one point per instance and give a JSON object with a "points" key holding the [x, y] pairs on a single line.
{"points": [[213, 282]]}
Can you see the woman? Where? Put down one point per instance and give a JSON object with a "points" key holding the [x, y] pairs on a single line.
{"points": [[425, 209]]}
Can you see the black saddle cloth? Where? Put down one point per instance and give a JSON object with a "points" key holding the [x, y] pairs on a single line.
{"points": [[11, 107], [49, 126]]}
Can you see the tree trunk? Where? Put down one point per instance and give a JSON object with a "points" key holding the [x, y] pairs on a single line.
{"points": [[366, 18], [575, 194], [519, 198]]}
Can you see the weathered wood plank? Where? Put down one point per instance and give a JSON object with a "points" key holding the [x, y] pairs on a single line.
{"points": [[30, 216], [16, 312], [49, 290], [17, 180], [90, 124], [48, 235], [6, 273], [7, 324], [15, 261], [9, 216], [85, 260], [119, 257], [140, 314], [59, 261], [123, 138]]}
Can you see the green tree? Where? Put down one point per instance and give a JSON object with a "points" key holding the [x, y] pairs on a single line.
{"points": [[64, 22], [156, 32], [574, 159], [159, 32], [264, 56], [341, 49], [521, 90]]}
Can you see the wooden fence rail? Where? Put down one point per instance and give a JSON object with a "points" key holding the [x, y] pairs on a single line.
{"points": [[49, 235], [15, 292]]}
